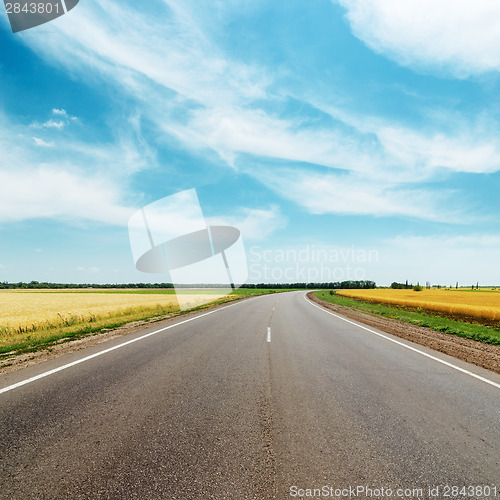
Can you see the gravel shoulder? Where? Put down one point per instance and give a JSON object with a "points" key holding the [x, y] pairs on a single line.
{"points": [[483, 355]]}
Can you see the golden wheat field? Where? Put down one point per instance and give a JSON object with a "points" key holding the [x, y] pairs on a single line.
{"points": [[23, 312], [28, 311], [480, 304]]}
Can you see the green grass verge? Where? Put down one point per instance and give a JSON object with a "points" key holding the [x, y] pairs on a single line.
{"points": [[47, 338], [475, 331]]}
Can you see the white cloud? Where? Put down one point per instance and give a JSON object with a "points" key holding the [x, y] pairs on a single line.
{"points": [[54, 124], [231, 131], [254, 223], [73, 181], [63, 120], [464, 152], [449, 141], [190, 89], [41, 142], [50, 124], [459, 36], [381, 161], [323, 193], [49, 192], [123, 43], [375, 148]]}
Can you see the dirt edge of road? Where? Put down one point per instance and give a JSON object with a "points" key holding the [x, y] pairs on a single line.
{"points": [[483, 355], [18, 361]]}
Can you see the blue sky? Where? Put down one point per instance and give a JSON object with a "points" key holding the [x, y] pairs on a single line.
{"points": [[336, 126]]}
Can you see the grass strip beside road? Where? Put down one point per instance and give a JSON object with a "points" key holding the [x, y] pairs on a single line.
{"points": [[474, 331]]}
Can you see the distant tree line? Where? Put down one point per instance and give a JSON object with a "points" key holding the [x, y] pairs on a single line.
{"points": [[314, 286], [279, 286], [417, 287], [399, 286], [427, 285], [56, 286]]}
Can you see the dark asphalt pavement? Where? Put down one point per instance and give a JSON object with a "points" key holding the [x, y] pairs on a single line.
{"points": [[211, 409]]}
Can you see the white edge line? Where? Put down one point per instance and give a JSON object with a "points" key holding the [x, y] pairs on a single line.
{"points": [[100, 353], [269, 334], [451, 365]]}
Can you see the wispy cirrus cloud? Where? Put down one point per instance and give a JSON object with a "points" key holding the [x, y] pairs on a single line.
{"points": [[42, 143], [191, 89], [66, 181], [351, 194], [82, 182], [127, 45], [236, 130], [471, 151]]}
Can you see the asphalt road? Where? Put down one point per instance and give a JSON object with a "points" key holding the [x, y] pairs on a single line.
{"points": [[210, 408]]}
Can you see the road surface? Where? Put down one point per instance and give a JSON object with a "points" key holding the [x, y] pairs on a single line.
{"points": [[266, 398]]}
